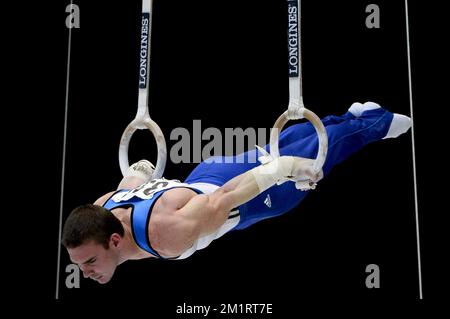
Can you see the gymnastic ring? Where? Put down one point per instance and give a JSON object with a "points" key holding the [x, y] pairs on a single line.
{"points": [[160, 142], [320, 130]]}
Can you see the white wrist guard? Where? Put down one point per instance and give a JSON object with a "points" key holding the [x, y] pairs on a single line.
{"points": [[142, 169], [268, 174]]}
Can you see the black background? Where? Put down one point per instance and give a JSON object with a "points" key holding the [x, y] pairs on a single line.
{"points": [[224, 62]]}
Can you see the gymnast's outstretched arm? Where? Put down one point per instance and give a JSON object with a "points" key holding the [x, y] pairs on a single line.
{"points": [[204, 214]]}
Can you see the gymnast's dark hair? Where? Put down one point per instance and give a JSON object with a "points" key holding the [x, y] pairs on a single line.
{"points": [[90, 222]]}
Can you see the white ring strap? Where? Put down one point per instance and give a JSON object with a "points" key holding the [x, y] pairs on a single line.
{"points": [[142, 120], [296, 108]]}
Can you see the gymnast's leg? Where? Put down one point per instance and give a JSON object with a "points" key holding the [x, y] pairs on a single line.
{"points": [[347, 134], [361, 125]]}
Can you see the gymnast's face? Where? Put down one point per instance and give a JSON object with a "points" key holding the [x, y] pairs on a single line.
{"points": [[95, 261]]}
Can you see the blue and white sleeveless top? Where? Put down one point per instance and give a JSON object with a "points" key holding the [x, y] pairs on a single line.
{"points": [[143, 198]]}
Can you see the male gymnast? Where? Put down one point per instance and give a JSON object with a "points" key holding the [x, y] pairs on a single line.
{"points": [[169, 219]]}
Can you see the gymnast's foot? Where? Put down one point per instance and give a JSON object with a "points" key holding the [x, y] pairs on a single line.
{"points": [[400, 123]]}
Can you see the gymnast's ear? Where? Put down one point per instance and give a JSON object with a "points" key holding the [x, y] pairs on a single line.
{"points": [[115, 239]]}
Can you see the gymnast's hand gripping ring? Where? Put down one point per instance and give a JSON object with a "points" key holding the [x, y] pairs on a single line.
{"points": [[302, 184]]}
